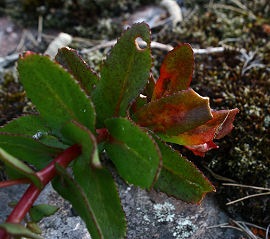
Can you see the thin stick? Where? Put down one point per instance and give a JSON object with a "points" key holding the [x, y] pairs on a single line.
{"points": [[249, 196], [245, 186], [40, 28], [245, 229], [14, 182], [267, 232], [235, 9], [154, 44]]}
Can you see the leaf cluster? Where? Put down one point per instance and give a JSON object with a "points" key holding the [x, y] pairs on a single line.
{"points": [[125, 113]]}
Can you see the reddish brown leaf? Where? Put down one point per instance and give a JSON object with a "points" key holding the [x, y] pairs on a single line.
{"points": [[216, 128], [175, 72], [201, 149], [175, 114]]}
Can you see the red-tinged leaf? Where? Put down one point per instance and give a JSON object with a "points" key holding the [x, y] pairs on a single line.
{"points": [[55, 92], [33, 126], [70, 59], [20, 168], [180, 178], [216, 128], [175, 114], [175, 72], [28, 149], [201, 149], [227, 125], [123, 75]]}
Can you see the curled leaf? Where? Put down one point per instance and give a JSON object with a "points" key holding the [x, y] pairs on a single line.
{"points": [[175, 72], [175, 114], [216, 128]]}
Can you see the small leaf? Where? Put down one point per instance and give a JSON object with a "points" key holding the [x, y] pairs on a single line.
{"points": [[95, 199], [175, 114], [30, 150], [54, 91], [37, 212], [180, 178], [175, 72], [16, 229], [70, 59], [20, 167], [134, 153], [33, 227], [216, 128], [149, 88], [79, 134], [123, 75]]}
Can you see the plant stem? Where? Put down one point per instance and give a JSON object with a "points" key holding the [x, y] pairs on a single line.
{"points": [[14, 182], [103, 135], [45, 175]]}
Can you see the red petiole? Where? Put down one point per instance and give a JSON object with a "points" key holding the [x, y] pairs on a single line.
{"points": [[31, 194]]}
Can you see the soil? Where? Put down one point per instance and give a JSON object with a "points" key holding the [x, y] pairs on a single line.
{"points": [[237, 77]]}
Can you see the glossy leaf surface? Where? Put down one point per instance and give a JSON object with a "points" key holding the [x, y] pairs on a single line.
{"points": [[17, 229], [175, 114], [216, 128], [124, 74], [175, 72], [70, 59], [95, 198], [20, 167], [54, 92], [25, 148], [40, 211], [180, 178], [133, 151], [78, 134]]}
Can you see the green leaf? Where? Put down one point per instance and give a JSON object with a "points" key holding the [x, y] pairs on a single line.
{"points": [[37, 212], [133, 151], [79, 134], [30, 150], [123, 75], [33, 227], [175, 72], [174, 114], [34, 126], [180, 178], [20, 167], [16, 229], [54, 91], [95, 198], [70, 59], [26, 124]]}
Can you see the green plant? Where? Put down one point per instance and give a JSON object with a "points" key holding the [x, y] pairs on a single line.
{"points": [[130, 118]]}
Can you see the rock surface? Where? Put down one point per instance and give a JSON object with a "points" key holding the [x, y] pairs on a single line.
{"points": [[149, 215]]}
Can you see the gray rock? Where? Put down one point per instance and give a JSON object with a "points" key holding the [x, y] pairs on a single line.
{"points": [[149, 215]]}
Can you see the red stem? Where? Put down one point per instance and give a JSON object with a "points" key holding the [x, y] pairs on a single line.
{"points": [[14, 182], [103, 135], [45, 175]]}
